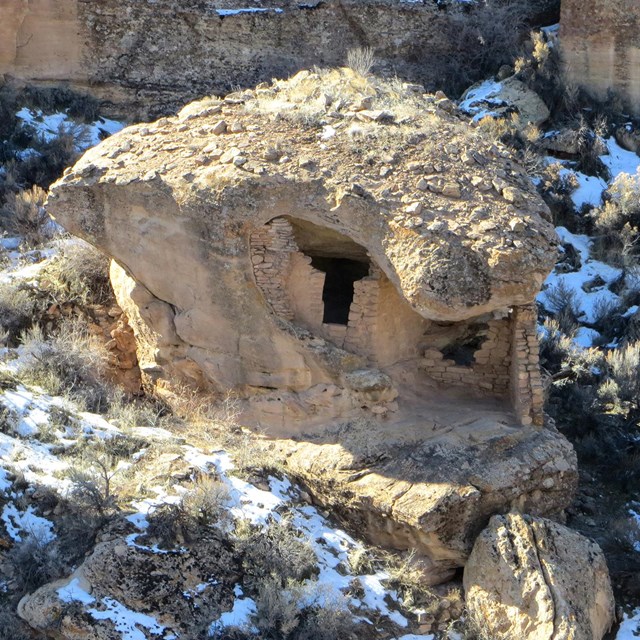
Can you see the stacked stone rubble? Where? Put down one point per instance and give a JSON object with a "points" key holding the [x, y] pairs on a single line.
{"points": [[363, 316]]}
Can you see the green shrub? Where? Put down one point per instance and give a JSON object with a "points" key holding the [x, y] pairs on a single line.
{"points": [[35, 563], [80, 274], [301, 612], [24, 215], [204, 505], [11, 627], [617, 223]]}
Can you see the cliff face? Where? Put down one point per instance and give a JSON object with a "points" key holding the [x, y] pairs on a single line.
{"points": [[601, 47], [168, 52], [153, 56]]}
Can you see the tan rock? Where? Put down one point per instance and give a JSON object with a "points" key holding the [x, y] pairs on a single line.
{"points": [[402, 489], [602, 58], [507, 95], [534, 579], [218, 258]]}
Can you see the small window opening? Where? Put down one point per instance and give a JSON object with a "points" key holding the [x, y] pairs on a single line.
{"points": [[337, 294], [463, 352]]}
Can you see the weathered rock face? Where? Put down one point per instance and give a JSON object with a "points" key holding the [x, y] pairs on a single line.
{"points": [[153, 55], [257, 253], [358, 264], [534, 579], [426, 486], [121, 577], [504, 98], [600, 42]]}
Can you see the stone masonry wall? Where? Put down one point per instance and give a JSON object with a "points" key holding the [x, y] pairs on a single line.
{"points": [[363, 317], [600, 43], [506, 363], [271, 249], [293, 289], [526, 382], [490, 373]]}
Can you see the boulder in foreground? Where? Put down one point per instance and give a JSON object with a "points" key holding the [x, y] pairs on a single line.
{"points": [[533, 579]]}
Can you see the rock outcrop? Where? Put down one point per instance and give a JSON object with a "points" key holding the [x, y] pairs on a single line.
{"points": [[534, 579], [601, 47], [431, 484], [357, 264], [503, 98], [120, 578], [152, 56], [283, 238]]}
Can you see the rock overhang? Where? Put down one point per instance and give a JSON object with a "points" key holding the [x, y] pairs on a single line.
{"points": [[448, 216]]}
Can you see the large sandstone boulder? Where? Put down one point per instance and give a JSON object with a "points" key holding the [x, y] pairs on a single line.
{"points": [[433, 489], [357, 264], [533, 579], [284, 237]]}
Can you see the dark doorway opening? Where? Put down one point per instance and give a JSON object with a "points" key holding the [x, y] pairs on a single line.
{"points": [[337, 294]]}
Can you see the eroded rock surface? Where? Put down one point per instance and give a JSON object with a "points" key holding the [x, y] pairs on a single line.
{"points": [[431, 484], [600, 47], [147, 56], [166, 590], [261, 247], [534, 579]]}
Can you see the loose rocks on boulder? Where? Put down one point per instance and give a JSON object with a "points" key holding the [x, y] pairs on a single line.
{"points": [[533, 579]]}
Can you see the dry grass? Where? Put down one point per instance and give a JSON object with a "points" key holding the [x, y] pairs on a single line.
{"points": [[78, 275], [24, 215], [361, 60], [278, 551], [314, 98], [71, 362], [18, 304]]}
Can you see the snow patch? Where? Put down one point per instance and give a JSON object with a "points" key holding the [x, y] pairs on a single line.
{"points": [[21, 525], [479, 100], [630, 627]]}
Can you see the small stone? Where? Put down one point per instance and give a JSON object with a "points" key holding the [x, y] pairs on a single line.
{"points": [[516, 225], [272, 154], [423, 185], [510, 194], [306, 163], [219, 128], [414, 207], [363, 104], [375, 116], [437, 226], [451, 190], [236, 127], [229, 155]]}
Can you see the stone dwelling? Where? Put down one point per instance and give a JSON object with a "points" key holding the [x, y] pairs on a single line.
{"points": [[358, 265], [259, 255]]}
